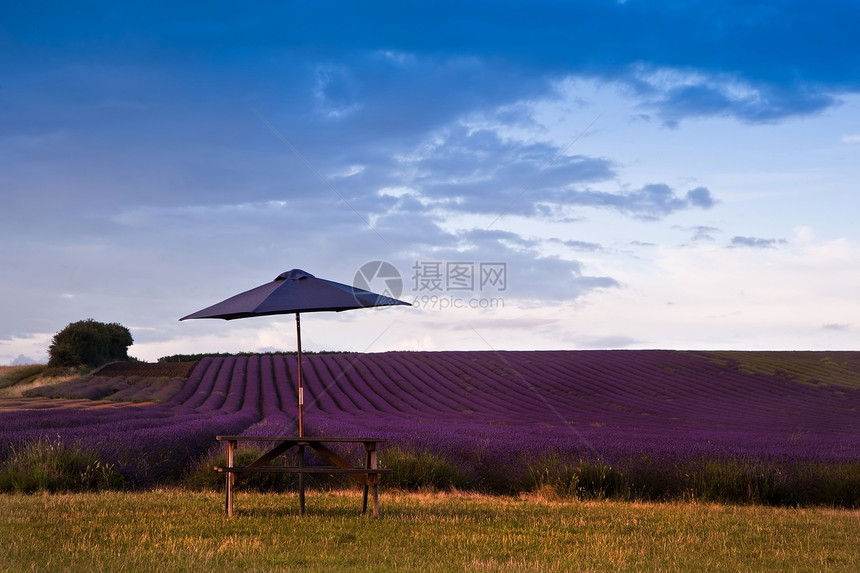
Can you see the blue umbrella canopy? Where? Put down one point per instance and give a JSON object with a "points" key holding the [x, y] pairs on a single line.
{"points": [[295, 291]]}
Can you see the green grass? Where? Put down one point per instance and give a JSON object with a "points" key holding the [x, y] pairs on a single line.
{"points": [[833, 368], [176, 530], [11, 375]]}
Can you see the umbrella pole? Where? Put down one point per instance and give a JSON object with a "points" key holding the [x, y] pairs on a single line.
{"points": [[299, 359], [301, 402]]}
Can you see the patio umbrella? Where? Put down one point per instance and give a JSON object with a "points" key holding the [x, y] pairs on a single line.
{"points": [[295, 291]]}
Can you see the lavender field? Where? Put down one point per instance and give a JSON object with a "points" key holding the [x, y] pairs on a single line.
{"points": [[769, 427]]}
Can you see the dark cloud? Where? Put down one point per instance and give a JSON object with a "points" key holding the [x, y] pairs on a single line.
{"points": [[642, 244], [651, 202], [700, 197], [721, 97], [701, 232], [606, 342], [478, 172], [583, 246], [756, 242], [495, 324], [757, 61], [499, 237], [758, 37]]}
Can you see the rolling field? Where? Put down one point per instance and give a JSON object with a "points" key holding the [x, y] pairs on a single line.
{"points": [[771, 427]]}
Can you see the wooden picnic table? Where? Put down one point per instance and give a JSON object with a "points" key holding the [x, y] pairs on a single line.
{"points": [[368, 474]]}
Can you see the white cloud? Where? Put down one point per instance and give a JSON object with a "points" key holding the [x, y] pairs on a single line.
{"points": [[712, 297], [32, 346]]}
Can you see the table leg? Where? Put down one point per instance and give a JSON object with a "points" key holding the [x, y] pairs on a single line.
{"points": [[375, 477], [231, 445], [301, 464], [366, 480], [371, 480]]}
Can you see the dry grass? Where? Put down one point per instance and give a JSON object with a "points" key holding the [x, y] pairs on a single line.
{"points": [[18, 390], [15, 403], [174, 530]]}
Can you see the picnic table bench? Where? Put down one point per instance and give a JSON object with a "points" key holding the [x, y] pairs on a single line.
{"points": [[368, 474]]}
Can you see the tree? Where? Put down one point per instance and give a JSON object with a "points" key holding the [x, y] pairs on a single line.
{"points": [[89, 343]]}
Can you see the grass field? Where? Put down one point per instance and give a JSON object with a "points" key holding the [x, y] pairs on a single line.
{"points": [[175, 530]]}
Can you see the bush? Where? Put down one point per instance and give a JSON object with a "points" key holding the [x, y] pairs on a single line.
{"points": [[89, 343], [718, 480], [43, 465], [584, 479], [421, 469]]}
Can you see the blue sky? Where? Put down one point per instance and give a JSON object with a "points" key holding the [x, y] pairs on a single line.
{"points": [[644, 174]]}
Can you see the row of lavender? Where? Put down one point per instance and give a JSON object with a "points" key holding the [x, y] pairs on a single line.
{"points": [[497, 416]]}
